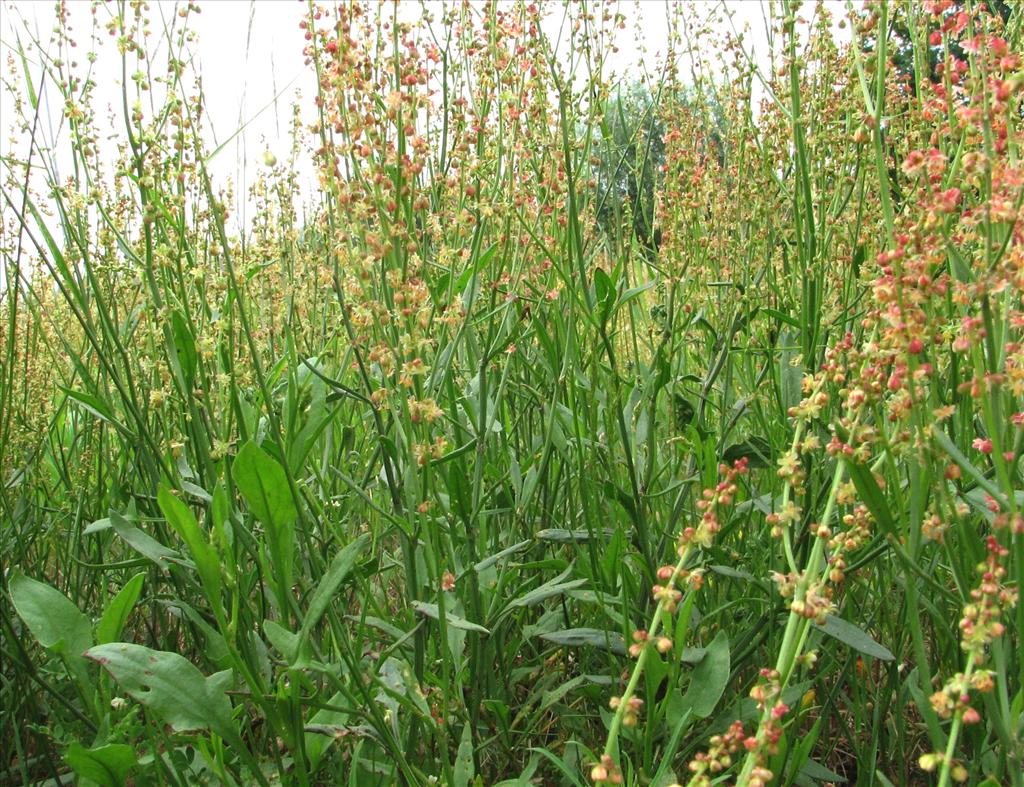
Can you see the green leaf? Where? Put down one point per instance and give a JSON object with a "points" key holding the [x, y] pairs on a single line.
{"points": [[33, 99], [97, 407], [605, 292], [791, 371], [264, 485], [336, 573], [871, 493], [431, 611], [111, 624], [815, 770], [398, 687], [286, 643], [143, 543], [475, 267], [563, 536], [179, 516], [609, 640], [463, 771], [487, 562], [856, 638], [53, 619], [97, 527], [553, 587], [107, 766], [469, 281], [322, 728], [185, 347], [757, 451], [170, 686], [634, 292], [709, 678]]}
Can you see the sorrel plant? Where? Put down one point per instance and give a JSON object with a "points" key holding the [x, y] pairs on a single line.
{"points": [[565, 431]]}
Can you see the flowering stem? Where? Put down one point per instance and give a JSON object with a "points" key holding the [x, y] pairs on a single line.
{"points": [[638, 668], [797, 626], [954, 732]]}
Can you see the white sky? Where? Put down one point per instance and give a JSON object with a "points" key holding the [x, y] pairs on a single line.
{"points": [[250, 51]]}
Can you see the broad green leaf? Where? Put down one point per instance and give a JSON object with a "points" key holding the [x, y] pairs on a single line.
{"points": [[170, 686], [604, 290], [733, 573], [185, 347], [179, 516], [554, 695], [286, 643], [815, 770], [431, 611], [634, 292], [320, 732], [264, 485], [464, 770], [791, 371], [336, 573], [220, 515], [116, 614], [553, 587], [97, 407], [143, 543], [398, 686], [97, 527], [487, 562], [196, 491], [107, 766], [755, 449], [608, 640], [474, 267], [871, 493], [856, 638], [53, 619], [709, 678], [381, 625], [562, 536]]}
